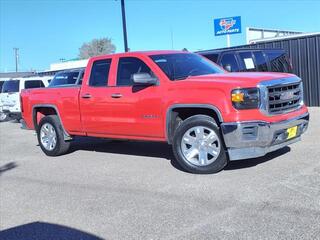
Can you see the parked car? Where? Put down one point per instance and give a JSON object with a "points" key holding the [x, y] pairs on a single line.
{"points": [[67, 78], [10, 97], [250, 60], [208, 115], [3, 116]]}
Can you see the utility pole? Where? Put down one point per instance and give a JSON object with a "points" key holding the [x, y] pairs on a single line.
{"points": [[124, 27], [16, 54]]}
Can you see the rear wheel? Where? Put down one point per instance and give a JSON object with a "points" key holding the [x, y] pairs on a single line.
{"points": [[198, 146], [3, 117], [50, 136]]}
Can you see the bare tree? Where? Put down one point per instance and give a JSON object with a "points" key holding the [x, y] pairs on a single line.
{"points": [[96, 47]]}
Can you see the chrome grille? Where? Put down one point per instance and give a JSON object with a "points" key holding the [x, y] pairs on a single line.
{"points": [[284, 98]]}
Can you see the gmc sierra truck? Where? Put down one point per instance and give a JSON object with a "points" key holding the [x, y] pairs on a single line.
{"points": [[208, 115]]}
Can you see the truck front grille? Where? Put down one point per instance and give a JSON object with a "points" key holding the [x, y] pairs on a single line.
{"points": [[284, 98]]}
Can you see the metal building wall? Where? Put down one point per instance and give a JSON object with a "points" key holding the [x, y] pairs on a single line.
{"points": [[304, 53]]}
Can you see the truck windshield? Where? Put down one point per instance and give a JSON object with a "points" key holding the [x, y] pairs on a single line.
{"points": [[10, 86], [64, 78], [179, 66]]}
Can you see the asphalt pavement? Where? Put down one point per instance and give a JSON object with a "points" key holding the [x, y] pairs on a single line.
{"points": [[133, 190]]}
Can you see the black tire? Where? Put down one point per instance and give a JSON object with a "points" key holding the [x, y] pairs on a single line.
{"points": [[61, 146], [4, 117], [195, 121]]}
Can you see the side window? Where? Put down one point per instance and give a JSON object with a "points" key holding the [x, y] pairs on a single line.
{"points": [[99, 73], [229, 62], [33, 84], [212, 57], [278, 61], [260, 61], [127, 67], [81, 78], [247, 61]]}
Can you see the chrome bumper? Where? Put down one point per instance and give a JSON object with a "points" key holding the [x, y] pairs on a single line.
{"points": [[257, 138]]}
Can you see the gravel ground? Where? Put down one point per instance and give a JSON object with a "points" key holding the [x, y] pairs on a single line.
{"points": [[132, 190]]}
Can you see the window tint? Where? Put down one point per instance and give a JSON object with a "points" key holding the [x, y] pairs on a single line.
{"points": [[212, 57], [278, 61], [81, 78], [33, 84], [229, 62], [179, 66], [1, 84], [247, 61], [64, 78], [261, 62], [11, 86], [129, 66], [99, 73]]}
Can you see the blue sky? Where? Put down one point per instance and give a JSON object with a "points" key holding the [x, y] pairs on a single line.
{"points": [[48, 30]]}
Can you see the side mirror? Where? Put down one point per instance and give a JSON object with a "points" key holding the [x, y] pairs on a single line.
{"points": [[227, 67], [144, 79]]}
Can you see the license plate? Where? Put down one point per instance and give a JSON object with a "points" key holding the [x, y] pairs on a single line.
{"points": [[292, 132]]}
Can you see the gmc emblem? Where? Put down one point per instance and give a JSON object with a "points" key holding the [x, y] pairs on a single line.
{"points": [[286, 95]]}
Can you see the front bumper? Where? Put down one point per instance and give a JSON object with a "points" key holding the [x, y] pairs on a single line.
{"points": [[256, 138]]}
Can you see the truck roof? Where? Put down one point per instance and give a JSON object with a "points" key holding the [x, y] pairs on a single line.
{"points": [[148, 53], [234, 49]]}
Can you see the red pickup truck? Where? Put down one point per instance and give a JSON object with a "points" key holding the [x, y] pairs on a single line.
{"points": [[208, 115]]}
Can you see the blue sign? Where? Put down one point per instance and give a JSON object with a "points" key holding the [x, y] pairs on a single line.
{"points": [[229, 25]]}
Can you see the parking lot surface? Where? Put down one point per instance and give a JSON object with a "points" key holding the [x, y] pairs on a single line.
{"points": [[132, 190]]}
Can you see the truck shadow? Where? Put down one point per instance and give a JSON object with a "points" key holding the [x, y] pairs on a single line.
{"points": [[157, 150], [43, 230], [247, 163]]}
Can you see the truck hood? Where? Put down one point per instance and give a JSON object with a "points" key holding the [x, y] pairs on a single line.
{"points": [[240, 79]]}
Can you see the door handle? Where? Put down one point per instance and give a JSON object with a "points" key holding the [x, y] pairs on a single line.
{"points": [[87, 95], [116, 95]]}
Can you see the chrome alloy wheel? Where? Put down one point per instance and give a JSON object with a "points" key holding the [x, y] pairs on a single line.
{"points": [[48, 136], [200, 146]]}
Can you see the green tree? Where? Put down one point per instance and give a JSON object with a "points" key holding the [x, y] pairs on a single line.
{"points": [[96, 47]]}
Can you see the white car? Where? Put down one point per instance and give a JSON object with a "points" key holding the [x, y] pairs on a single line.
{"points": [[3, 116], [10, 96]]}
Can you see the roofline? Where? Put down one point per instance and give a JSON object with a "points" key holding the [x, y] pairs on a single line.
{"points": [[235, 48], [285, 37]]}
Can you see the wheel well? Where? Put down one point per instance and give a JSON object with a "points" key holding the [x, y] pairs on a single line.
{"points": [[179, 114], [40, 112]]}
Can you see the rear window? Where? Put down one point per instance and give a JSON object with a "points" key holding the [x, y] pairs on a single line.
{"points": [[11, 86], [260, 61], [278, 61], [64, 78], [33, 84]]}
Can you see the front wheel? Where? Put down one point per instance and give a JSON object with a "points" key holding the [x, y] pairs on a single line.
{"points": [[198, 146], [50, 136]]}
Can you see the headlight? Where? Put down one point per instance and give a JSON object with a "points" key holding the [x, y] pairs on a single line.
{"points": [[245, 98]]}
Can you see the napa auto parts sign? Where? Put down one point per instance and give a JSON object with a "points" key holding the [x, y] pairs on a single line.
{"points": [[229, 25]]}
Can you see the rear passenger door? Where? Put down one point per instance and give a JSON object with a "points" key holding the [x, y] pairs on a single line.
{"points": [[95, 96], [260, 61], [247, 61]]}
